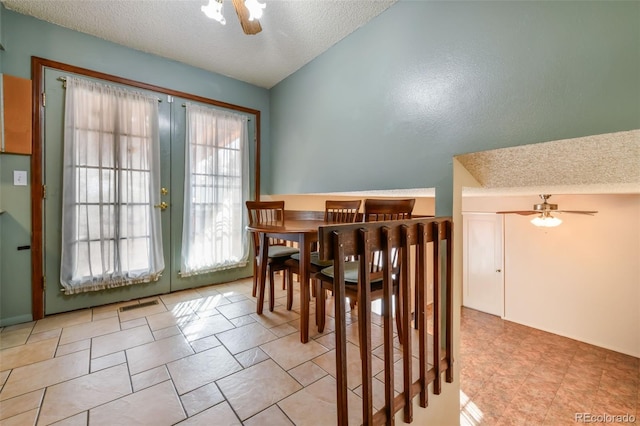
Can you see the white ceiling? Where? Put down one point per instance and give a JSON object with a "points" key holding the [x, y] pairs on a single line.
{"points": [[294, 32]]}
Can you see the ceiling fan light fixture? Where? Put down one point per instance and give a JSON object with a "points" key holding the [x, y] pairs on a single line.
{"points": [[214, 11], [255, 9], [545, 220]]}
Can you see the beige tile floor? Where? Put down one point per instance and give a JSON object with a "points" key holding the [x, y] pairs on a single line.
{"points": [[516, 375], [204, 357]]}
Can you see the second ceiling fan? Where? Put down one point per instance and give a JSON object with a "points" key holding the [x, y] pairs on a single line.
{"points": [[546, 207], [544, 210]]}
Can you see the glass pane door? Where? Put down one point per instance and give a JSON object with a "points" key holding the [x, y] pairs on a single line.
{"points": [[55, 299]]}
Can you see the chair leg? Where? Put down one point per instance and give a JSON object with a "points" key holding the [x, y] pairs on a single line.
{"points": [[361, 331], [289, 276], [255, 278], [272, 293], [352, 303], [260, 295], [321, 303], [398, 306]]}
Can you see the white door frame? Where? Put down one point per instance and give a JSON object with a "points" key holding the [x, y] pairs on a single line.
{"points": [[493, 267]]}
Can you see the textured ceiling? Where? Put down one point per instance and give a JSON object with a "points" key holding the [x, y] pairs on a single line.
{"points": [[608, 163], [294, 31]]}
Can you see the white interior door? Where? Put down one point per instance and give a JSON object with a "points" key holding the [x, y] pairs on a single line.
{"points": [[483, 259]]}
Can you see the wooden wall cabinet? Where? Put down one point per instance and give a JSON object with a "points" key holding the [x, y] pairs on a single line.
{"points": [[16, 117]]}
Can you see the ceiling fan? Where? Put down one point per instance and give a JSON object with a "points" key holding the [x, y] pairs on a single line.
{"points": [[248, 11], [544, 210]]}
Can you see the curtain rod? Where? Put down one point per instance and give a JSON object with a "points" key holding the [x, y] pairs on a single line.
{"points": [[248, 118], [64, 81]]}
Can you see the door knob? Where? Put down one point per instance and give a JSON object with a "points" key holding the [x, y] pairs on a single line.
{"points": [[164, 191], [498, 270], [162, 206]]}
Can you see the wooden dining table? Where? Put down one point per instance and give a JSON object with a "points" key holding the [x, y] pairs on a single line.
{"points": [[300, 227]]}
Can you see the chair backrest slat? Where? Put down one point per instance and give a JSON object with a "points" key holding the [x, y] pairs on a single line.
{"points": [[265, 213], [376, 210], [338, 211]]}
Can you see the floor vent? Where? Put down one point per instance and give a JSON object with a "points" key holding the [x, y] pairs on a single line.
{"points": [[139, 305]]}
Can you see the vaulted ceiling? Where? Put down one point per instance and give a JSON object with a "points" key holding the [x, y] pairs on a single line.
{"points": [[294, 32]]}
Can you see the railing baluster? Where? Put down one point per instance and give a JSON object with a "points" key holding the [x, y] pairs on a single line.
{"points": [[437, 384], [341, 330], [394, 240], [387, 309], [405, 290], [421, 310], [449, 295], [364, 325]]}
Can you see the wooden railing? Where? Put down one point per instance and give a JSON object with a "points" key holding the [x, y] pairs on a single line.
{"points": [[407, 239]]}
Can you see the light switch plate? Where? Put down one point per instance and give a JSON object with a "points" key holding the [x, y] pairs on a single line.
{"points": [[19, 178]]}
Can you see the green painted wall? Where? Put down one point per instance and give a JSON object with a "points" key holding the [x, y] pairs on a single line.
{"points": [[24, 37], [15, 228], [1, 32], [390, 105]]}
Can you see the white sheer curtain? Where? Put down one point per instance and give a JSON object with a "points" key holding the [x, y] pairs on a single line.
{"points": [[111, 234], [216, 185]]}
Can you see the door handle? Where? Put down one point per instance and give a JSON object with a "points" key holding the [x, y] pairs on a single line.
{"points": [[162, 206], [498, 270]]}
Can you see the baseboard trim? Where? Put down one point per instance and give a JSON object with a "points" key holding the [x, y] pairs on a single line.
{"points": [[588, 341], [5, 322]]}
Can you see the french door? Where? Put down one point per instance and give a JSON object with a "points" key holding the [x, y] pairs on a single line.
{"points": [[172, 135]]}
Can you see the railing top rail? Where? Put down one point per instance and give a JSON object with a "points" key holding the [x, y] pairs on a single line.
{"points": [[352, 247]]}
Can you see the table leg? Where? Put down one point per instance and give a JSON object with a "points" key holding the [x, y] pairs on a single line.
{"points": [[305, 257], [262, 270]]}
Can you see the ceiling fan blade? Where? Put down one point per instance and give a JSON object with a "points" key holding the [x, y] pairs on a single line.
{"points": [[590, 213], [520, 212], [249, 27]]}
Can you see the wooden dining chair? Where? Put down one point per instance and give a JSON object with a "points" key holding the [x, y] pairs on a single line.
{"points": [[375, 210], [341, 211], [270, 213], [335, 211]]}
